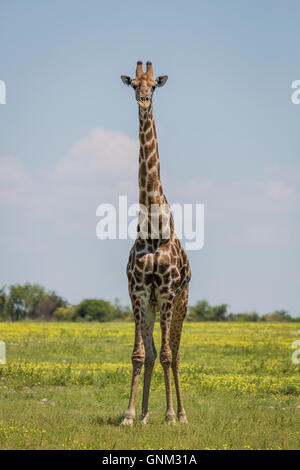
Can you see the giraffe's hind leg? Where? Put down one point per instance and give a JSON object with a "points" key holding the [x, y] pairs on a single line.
{"points": [[180, 308], [150, 356]]}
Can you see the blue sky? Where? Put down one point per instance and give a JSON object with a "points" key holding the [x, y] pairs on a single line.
{"points": [[227, 129]]}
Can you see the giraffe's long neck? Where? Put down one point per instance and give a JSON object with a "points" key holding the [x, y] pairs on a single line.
{"points": [[151, 193], [149, 168]]}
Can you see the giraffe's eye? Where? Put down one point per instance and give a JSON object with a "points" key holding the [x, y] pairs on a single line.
{"points": [[146, 98]]}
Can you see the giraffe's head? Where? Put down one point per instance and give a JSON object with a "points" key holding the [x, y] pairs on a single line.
{"points": [[144, 84]]}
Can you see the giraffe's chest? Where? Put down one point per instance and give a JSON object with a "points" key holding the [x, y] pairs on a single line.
{"points": [[151, 254], [154, 266]]}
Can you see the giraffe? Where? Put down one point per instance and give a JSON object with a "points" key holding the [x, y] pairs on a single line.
{"points": [[158, 269]]}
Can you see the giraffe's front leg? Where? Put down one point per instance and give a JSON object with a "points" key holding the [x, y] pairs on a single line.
{"points": [[138, 358], [150, 356], [166, 355]]}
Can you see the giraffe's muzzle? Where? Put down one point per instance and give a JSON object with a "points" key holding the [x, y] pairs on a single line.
{"points": [[144, 101], [143, 104]]}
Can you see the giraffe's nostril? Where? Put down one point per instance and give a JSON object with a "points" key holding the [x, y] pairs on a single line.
{"points": [[144, 99]]}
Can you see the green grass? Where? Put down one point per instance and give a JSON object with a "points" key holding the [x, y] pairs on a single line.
{"points": [[66, 386]]}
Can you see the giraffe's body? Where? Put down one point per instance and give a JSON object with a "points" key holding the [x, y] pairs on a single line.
{"points": [[158, 268]]}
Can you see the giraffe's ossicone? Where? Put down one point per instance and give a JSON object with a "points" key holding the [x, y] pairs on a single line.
{"points": [[158, 269]]}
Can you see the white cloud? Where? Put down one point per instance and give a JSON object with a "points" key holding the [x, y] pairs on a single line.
{"points": [[101, 165], [12, 171], [101, 154], [15, 181], [280, 190]]}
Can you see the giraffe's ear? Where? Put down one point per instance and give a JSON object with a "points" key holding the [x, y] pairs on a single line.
{"points": [[126, 80], [160, 81]]}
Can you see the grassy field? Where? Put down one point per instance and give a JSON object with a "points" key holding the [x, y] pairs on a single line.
{"points": [[66, 386]]}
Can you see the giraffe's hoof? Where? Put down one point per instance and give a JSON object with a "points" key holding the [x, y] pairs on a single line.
{"points": [[183, 419], [144, 419], [127, 422], [170, 419]]}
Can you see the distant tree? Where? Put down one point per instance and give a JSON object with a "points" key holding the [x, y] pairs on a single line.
{"points": [[120, 312], [46, 308], [23, 300], [277, 316], [3, 302], [202, 311], [244, 317], [31, 301], [219, 312], [65, 314], [94, 310]]}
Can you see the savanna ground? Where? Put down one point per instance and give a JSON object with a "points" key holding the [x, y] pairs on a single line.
{"points": [[66, 386]]}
